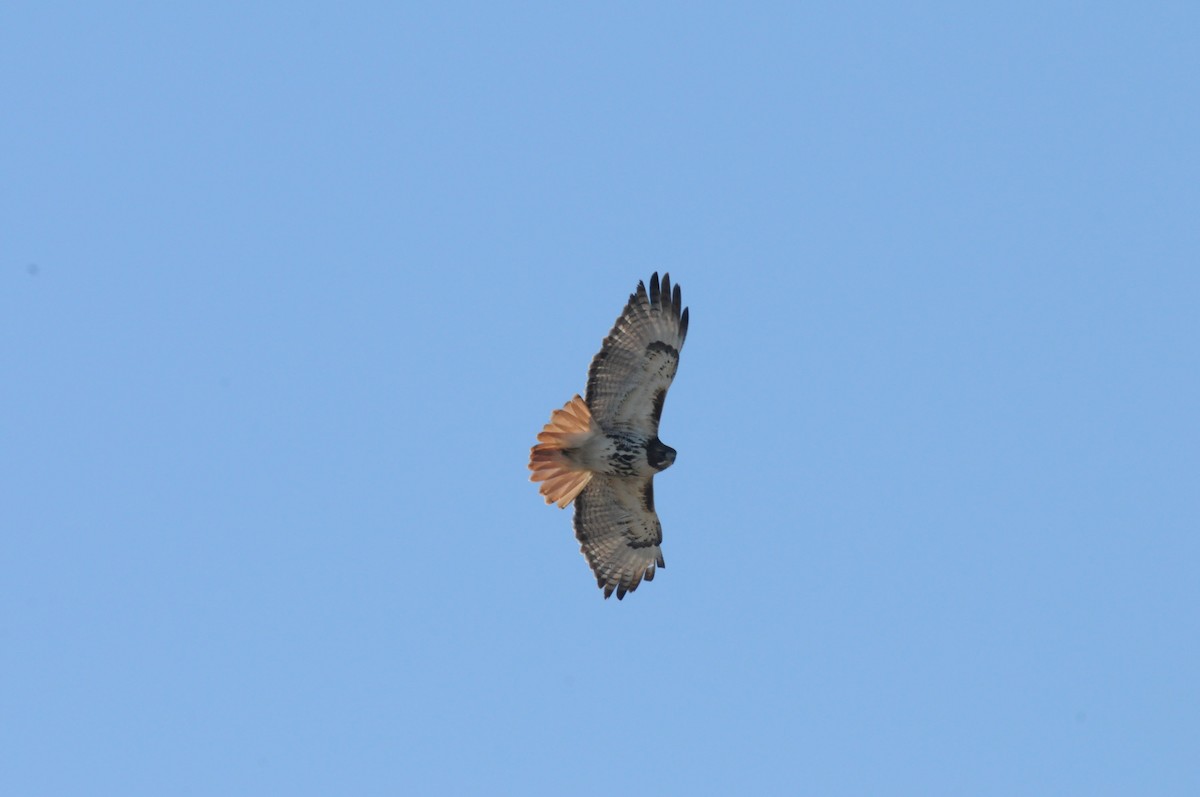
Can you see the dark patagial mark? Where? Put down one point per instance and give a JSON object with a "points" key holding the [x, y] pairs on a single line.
{"points": [[656, 412], [648, 496]]}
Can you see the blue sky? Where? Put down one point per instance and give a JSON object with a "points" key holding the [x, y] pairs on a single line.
{"points": [[287, 291]]}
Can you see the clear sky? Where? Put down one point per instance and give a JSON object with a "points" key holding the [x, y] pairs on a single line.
{"points": [[286, 291]]}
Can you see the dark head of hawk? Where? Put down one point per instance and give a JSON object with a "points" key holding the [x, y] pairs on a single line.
{"points": [[602, 452]]}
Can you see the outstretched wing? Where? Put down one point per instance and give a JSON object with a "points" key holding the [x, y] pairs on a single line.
{"points": [[619, 532], [628, 379]]}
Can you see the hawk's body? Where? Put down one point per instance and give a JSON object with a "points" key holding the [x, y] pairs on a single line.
{"points": [[602, 453]]}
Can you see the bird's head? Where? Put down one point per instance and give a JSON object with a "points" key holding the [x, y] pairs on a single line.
{"points": [[658, 455]]}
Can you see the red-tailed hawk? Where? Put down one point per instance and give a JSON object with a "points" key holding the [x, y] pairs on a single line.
{"points": [[602, 452]]}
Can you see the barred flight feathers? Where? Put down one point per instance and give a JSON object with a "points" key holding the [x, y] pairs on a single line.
{"points": [[617, 534], [628, 379]]}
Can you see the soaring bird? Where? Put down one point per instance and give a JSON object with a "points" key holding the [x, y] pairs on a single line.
{"points": [[602, 452]]}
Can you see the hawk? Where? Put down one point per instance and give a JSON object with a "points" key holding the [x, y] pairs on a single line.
{"points": [[602, 452]]}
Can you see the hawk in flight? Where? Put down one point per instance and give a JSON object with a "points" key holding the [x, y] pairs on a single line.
{"points": [[602, 452]]}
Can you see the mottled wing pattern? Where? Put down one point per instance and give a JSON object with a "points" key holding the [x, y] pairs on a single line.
{"points": [[628, 379], [619, 532]]}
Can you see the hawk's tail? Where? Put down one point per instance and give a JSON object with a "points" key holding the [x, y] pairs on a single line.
{"points": [[561, 478]]}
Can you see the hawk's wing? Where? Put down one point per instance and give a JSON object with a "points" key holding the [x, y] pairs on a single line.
{"points": [[628, 379], [619, 532]]}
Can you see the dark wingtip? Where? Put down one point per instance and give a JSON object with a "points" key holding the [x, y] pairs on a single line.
{"points": [[666, 290], [621, 593], [654, 293], [661, 563], [683, 322]]}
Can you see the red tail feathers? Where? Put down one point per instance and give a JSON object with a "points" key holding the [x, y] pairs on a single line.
{"points": [[561, 478]]}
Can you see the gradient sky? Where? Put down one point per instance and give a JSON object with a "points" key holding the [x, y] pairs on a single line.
{"points": [[286, 291]]}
